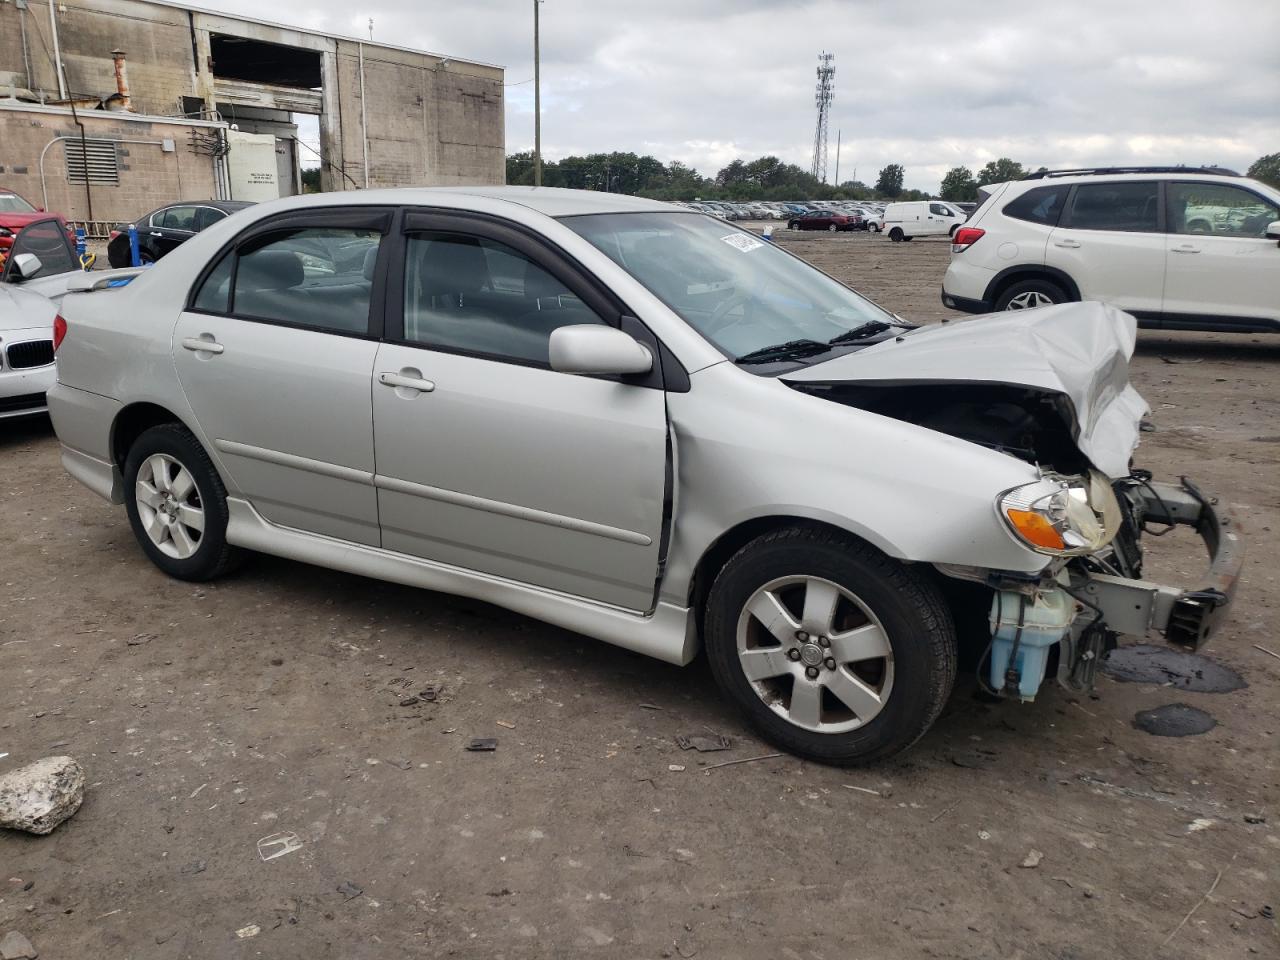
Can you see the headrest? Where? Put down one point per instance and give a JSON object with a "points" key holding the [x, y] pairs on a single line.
{"points": [[370, 262], [452, 265], [269, 270]]}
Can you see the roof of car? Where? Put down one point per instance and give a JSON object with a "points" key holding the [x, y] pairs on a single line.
{"points": [[557, 201]]}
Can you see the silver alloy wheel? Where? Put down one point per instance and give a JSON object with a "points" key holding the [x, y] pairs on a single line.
{"points": [[169, 506], [1030, 300], [829, 669]]}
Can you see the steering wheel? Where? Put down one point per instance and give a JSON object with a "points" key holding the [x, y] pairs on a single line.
{"points": [[716, 322]]}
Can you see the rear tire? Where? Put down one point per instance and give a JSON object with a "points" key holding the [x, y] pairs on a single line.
{"points": [[879, 670], [1030, 294], [177, 504], [896, 235]]}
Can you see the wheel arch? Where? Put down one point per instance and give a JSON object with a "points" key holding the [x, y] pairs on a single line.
{"points": [[132, 421], [1030, 271]]}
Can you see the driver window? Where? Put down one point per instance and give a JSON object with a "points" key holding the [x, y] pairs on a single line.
{"points": [[475, 295], [1218, 209]]}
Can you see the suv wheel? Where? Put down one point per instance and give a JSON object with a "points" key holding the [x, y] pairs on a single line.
{"points": [[896, 234], [832, 650], [177, 504], [1029, 294]]}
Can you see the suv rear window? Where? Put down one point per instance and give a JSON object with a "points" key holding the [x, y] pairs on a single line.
{"points": [[1131, 207], [1041, 205]]}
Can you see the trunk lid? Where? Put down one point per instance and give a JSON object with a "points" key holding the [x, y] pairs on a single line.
{"points": [[1079, 351]]}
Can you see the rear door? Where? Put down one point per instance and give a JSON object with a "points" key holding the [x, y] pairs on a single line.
{"points": [[275, 354], [1221, 264], [489, 460], [1111, 242]]}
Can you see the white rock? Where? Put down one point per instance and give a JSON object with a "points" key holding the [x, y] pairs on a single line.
{"points": [[38, 797], [15, 946]]}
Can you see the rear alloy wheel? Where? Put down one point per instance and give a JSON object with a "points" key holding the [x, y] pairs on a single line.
{"points": [[1030, 294], [177, 504], [896, 235], [832, 650]]}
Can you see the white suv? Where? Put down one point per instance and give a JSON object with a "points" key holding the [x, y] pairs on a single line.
{"points": [[1178, 247]]}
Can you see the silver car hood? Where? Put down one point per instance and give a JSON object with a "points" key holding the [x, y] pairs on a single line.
{"points": [[1079, 350], [22, 309]]}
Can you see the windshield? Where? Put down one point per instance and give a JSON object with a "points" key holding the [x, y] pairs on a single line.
{"points": [[741, 293], [12, 203]]}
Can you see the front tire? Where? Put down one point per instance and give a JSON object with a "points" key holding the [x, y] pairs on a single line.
{"points": [[832, 228], [832, 650], [177, 504], [1030, 294]]}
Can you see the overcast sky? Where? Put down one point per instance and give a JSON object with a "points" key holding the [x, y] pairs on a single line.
{"points": [[929, 84]]}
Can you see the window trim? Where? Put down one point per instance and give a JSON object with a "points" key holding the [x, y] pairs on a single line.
{"points": [[1212, 183], [381, 218], [1064, 221]]}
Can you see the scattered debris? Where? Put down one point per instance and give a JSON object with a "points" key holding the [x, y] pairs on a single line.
{"points": [[1146, 426], [1254, 818], [675, 768], [15, 946], [1147, 663], [973, 759], [140, 639], [430, 693], [1066, 881], [1174, 720], [165, 936], [196, 791], [1266, 912], [874, 793], [703, 744], [1270, 653], [984, 835], [505, 723], [1179, 360], [1031, 860], [504, 892], [729, 763], [245, 933], [278, 845], [649, 706], [1200, 823], [194, 867], [1208, 893], [943, 812], [349, 890], [41, 795], [482, 744], [401, 764]]}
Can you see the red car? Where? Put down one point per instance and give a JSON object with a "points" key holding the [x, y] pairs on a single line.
{"points": [[16, 213], [825, 220]]}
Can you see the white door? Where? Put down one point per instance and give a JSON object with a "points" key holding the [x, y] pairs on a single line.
{"points": [[1110, 242], [489, 460], [278, 373], [1220, 263]]}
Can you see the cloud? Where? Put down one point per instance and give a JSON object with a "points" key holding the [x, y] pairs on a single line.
{"points": [[927, 83]]}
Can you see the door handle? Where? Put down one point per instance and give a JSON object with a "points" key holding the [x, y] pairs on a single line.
{"points": [[156, 233], [410, 380], [1185, 248], [1068, 244], [202, 345]]}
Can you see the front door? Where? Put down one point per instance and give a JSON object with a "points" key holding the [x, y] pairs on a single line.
{"points": [[1111, 241], [488, 459], [1221, 263], [276, 356]]}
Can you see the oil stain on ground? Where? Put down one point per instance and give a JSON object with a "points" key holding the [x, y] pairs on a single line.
{"points": [[1145, 663], [1174, 720]]}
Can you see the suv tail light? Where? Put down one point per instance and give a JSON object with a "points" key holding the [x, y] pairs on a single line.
{"points": [[965, 237], [59, 332]]}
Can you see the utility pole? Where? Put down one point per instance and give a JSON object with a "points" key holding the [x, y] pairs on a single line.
{"points": [[838, 133], [537, 102]]}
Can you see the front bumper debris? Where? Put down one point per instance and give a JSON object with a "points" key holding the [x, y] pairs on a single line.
{"points": [[1185, 617]]}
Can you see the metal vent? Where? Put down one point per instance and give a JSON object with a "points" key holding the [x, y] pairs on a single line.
{"points": [[98, 157]]}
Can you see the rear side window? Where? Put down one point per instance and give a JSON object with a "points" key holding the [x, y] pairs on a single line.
{"points": [[1042, 205], [207, 217], [1129, 207], [179, 218]]}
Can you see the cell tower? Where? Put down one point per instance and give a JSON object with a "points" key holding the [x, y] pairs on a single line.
{"points": [[822, 97]]}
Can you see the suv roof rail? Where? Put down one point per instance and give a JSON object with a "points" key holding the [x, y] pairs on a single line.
{"points": [[1109, 171]]}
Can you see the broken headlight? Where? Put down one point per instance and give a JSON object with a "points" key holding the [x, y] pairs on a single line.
{"points": [[1062, 516]]}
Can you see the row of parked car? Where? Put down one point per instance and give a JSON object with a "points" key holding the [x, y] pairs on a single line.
{"points": [[790, 211]]}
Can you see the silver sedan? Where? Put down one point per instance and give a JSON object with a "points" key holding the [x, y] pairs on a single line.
{"points": [[645, 425]]}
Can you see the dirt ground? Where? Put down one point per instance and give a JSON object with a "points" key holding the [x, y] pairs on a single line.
{"points": [[211, 717]]}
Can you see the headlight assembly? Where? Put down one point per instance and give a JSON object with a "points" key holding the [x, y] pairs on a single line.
{"points": [[1062, 516]]}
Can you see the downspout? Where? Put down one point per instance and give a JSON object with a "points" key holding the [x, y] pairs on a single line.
{"points": [[26, 51], [364, 124], [57, 53]]}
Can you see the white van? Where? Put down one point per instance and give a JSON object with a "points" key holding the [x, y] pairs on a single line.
{"points": [[921, 218]]}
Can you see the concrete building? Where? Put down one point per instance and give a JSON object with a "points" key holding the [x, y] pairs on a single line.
{"points": [[157, 101]]}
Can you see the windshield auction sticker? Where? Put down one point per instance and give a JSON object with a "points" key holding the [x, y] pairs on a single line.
{"points": [[742, 241]]}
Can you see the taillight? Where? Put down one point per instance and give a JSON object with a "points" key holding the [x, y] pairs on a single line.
{"points": [[965, 237], [59, 332]]}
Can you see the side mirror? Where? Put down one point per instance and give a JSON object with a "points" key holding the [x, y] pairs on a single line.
{"points": [[597, 349], [1273, 230], [26, 266]]}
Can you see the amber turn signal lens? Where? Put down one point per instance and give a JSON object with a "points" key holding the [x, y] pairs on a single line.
{"points": [[1035, 529]]}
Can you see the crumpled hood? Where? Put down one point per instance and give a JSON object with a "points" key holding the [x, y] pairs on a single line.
{"points": [[23, 310], [1079, 350]]}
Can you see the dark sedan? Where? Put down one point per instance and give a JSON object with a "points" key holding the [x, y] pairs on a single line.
{"points": [[162, 230], [825, 220]]}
